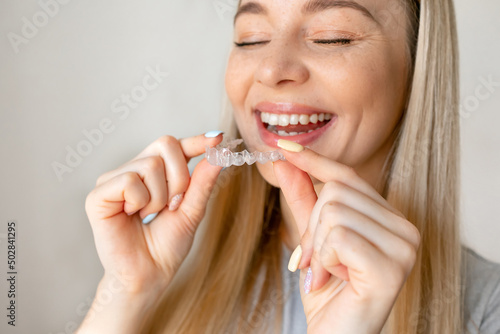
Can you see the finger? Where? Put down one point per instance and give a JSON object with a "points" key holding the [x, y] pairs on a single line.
{"points": [[329, 217], [107, 207], [200, 189], [190, 147], [337, 214], [176, 154], [336, 191], [368, 266], [152, 172], [125, 193], [170, 227], [298, 191], [339, 192], [195, 146], [192, 209], [176, 169], [300, 197], [324, 169], [362, 259]]}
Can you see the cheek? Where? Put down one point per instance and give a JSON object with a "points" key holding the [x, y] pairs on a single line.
{"points": [[372, 85], [384, 91], [237, 84], [384, 106], [372, 80], [367, 88], [237, 81]]}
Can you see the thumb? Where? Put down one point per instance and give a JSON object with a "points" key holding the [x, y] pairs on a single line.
{"points": [[299, 192]]}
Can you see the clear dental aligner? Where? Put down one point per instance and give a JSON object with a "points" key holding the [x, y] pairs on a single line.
{"points": [[221, 155]]}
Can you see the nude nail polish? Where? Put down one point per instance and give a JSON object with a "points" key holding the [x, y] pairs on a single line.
{"points": [[290, 146], [293, 264]]}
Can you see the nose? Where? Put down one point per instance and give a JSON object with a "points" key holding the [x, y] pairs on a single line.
{"points": [[281, 65]]}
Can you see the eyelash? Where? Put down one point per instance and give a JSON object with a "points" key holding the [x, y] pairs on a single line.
{"points": [[339, 41], [240, 45]]}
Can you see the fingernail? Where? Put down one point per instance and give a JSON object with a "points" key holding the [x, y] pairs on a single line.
{"points": [[132, 213], [308, 281], [293, 264], [213, 134], [149, 218], [175, 202], [290, 145]]}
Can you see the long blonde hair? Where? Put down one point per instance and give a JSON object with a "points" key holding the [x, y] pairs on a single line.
{"points": [[231, 281]]}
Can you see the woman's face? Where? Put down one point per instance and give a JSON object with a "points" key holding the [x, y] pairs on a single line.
{"points": [[328, 74]]}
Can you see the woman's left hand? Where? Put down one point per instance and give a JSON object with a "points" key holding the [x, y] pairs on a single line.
{"points": [[359, 248]]}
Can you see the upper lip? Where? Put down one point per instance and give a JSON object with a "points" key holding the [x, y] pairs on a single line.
{"points": [[288, 108]]}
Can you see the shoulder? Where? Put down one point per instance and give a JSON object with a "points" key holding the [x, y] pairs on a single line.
{"points": [[482, 293]]}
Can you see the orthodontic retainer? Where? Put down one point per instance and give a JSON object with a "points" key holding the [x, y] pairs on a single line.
{"points": [[221, 155]]}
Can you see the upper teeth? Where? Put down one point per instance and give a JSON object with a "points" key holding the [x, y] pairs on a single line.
{"points": [[293, 119]]}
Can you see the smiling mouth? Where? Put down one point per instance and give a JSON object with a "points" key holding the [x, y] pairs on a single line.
{"points": [[286, 125]]}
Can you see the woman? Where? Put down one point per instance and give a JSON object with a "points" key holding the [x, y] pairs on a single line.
{"points": [[361, 98]]}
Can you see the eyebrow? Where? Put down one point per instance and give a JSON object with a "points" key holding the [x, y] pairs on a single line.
{"points": [[311, 7], [250, 8], [314, 6]]}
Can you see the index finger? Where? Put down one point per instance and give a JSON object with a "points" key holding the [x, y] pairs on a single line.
{"points": [[325, 169], [191, 146], [175, 154], [195, 146]]}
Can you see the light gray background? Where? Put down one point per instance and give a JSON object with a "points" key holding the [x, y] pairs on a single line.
{"points": [[64, 80]]}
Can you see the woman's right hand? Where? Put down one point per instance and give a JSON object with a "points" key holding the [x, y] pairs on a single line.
{"points": [[147, 256]]}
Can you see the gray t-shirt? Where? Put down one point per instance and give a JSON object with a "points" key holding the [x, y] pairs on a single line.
{"points": [[482, 296]]}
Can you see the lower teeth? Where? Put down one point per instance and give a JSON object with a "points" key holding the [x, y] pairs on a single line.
{"points": [[286, 134], [272, 128], [282, 133]]}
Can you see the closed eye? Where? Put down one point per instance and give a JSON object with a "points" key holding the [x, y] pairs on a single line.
{"points": [[339, 41], [240, 45]]}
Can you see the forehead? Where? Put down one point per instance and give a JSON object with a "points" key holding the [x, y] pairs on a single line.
{"points": [[386, 14], [263, 7]]}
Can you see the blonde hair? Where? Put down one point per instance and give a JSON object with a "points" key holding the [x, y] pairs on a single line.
{"points": [[231, 281]]}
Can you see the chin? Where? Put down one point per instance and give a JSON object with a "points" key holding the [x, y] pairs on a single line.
{"points": [[267, 173]]}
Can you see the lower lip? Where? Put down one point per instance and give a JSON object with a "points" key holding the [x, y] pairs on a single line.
{"points": [[271, 139]]}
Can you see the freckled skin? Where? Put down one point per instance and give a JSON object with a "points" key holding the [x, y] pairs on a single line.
{"points": [[363, 83]]}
